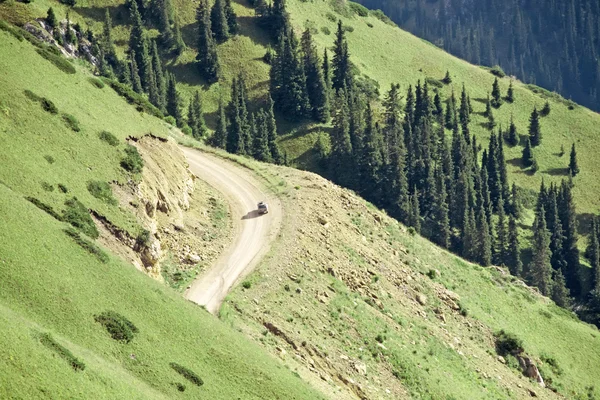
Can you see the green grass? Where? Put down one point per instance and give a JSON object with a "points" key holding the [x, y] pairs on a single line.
{"points": [[57, 281]]}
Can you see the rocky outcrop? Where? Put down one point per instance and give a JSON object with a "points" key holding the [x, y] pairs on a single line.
{"points": [[530, 370]]}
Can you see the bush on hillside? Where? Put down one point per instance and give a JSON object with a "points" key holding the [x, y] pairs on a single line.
{"points": [[61, 63], [134, 98], [326, 30], [498, 71], [71, 122], [49, 158], [109, 138], [44, 207], [434, 82], [96, 82], [187, 374], [47, 340], [380, 15], [87, 245], [46, 104], [132, 162], [507, 343], [358, 9], [102, 191], [119, 327], [47, 187], [77, 215]]}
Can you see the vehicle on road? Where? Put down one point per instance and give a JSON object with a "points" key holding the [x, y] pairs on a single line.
{"points": [[263, 208]]}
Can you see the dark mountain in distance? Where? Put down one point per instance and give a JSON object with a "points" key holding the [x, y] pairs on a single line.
{"points": [[551, 43]]}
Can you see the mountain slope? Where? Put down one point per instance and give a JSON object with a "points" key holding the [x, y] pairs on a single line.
{"points": [[349, 297], [57, 280]]}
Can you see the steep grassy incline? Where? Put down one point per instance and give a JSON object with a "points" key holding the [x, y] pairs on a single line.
{"points": [[381, 52], [58, 284], [350, 299]]}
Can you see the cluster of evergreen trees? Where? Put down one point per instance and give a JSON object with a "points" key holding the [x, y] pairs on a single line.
{"points": [[241, 132], [551, 43]]}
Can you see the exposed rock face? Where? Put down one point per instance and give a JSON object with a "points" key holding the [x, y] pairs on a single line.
{"points": [[530, 370]]}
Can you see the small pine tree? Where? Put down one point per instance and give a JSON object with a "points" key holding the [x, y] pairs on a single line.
{"points": [[535, 132], [174, 101], [208, 61], [51, 19], [196, 117], [447, 79], [560, 292], [513, 136], [510, 94], [484, 251], [138, 47], [513, 256], [315, 82], [528, 159], [271, 125], [260, 145], [496, 95], [134, 75], [178, 38], [414, 217], [159, 79], [593, 253], [540, 268], [515, 202], [107, 44], [573, 166], [546, 110]]}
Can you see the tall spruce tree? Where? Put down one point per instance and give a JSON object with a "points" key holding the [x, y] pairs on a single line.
{"points": [[174, 100], [573, 165], [134, 74], [208, 60], [593, 252], [219, 137], [271, 125], [528, 158], [218, 20], [107, 44], [196, 117], [535, 132], [484, 242], [164, 18], [540, 270], [560, 292], [341, 145], [414, 217], [372, 158], [568, 218], [513, 252], [315, 82], [159, 79], [231, 16], [260, 146], [501, 253], [279, 19], [138, 47], [51, 20], [510, 93], [342, 69], [441, 232]]}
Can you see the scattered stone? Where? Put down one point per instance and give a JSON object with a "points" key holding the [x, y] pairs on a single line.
{"points": [[299, 290], [501, 359], [360, 368], [255, 301], [421, 299]]}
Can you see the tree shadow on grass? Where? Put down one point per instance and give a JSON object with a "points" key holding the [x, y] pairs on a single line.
{"points": [[118, 14], [557, 171]]}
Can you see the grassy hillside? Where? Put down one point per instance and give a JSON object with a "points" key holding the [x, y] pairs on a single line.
{"points": [[381, 52], [349, 297], [57, 284]]}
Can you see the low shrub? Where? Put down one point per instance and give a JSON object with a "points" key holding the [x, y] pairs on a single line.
{"points": [[380, 15], [109, 138], [44, 207], [97, 82], [61, 63], [31, 96], [78, 216], [134, 98], [246, 284], [326, 30], [47, 340], [143, 239], [132, 162], [102, 191], [87, 245], [434, 82], [498, 71], [171, 120], [331, 17], [119, 327], [508, 343], [62, 188], [49, 158], [358, 9], [47, 187], [71, 122], [49, 106], [348, 28], [187, 374]]}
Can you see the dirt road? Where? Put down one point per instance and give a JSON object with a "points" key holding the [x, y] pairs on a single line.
{"points": [[253, 233]]}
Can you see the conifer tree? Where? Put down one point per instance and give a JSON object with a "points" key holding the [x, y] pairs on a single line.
{"points": [[528, 158], [136, 83], [515, 203], [464, 111], [372, 158], [315, 82], [484, 242], [556, 232], [239, 137], [279, 19], [177, 37], [568, 218], [441, 233], [447, 78], [513, 259], [510, 94], [573, 165], [342, 76], [327, 72], [51, 19], [164, 14], [219, 138], [513, 135], [159, 79], [341, 145], [218, 20], [231, 16], [208, 61], [414, 217], [107, 43], [535, 133], [560, 292], [173, 100], [153, 93], [540, 268], [271, 126], [196, 117], [260, 145], [138, 47], [104, 68], [469, 235], [501, 254], [593, 252], [545, 111], [496, 95]]}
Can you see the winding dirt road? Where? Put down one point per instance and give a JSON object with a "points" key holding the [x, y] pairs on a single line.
{"points": [[253, 233]]}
